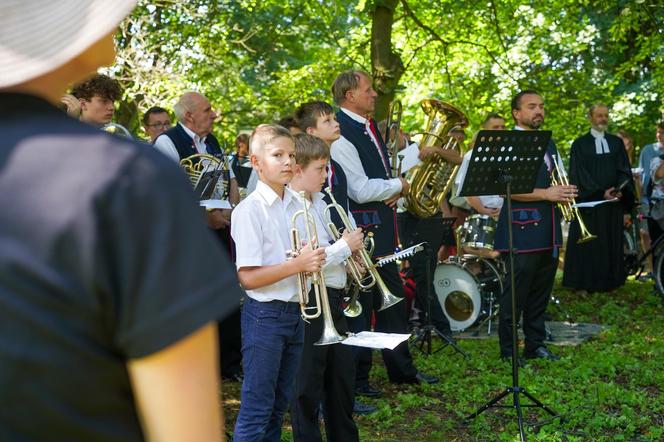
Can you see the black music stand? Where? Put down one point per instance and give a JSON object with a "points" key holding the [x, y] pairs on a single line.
{"points": [[504, 162], [429, 230]]}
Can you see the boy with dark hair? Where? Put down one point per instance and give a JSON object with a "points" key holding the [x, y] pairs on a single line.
{"points": [[97, 96], [324, 373]]}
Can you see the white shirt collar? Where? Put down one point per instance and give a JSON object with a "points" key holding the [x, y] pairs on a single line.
{"points": [[596, 133], [517, 127], [270, 196], [354, 116], [193, 134]]}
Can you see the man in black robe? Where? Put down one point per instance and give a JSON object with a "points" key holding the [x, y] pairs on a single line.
{"points": [[600, 169]]}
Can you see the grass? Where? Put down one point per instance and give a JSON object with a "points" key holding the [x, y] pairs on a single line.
{"points": [[607, 389]]}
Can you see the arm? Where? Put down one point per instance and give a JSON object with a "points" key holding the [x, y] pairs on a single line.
{"points": [[309, 261], [554, 194], [177, 389], [361, 188], [476, 204], [234, 193]]}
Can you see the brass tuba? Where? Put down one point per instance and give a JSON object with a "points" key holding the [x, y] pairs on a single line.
{"points": [[431, 180], [568, 209], [196, 166]]}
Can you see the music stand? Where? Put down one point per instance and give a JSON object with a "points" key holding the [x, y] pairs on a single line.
{"points": [[502, 163], [429, 230]]}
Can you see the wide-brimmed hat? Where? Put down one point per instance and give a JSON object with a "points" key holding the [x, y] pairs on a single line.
{"points": [[38, 36]]}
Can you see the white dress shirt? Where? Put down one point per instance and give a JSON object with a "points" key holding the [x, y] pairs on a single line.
{"points": [[336, 252], [489, 201], [260, 227], [361, 188]]}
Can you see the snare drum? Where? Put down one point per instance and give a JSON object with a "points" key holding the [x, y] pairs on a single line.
{"points": [[465, 287], [478, 232]]}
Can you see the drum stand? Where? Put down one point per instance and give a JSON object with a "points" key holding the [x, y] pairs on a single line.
{"points": [[424, 335], [524, 140]]}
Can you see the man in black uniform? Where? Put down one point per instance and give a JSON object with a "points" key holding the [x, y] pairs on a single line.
{"points": [[537, 238], [107, 310]]}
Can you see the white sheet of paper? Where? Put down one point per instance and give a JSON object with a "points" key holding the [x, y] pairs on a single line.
{"points": [[594, 203], [215, 204], [376, 340], [410, 157]]}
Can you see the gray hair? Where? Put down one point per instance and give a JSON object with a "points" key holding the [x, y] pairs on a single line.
{"points": [[185, 104], [595, 107], [346, 81]]}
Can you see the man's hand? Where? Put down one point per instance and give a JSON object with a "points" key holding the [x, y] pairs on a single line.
{"points": [[492, 212], [611, 193], [219, 218], [354, 239], [561, 194], [73, 105], [425, 152]]}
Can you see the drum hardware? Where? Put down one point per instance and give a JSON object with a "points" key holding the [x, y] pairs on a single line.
{"points": [[423, 338]]}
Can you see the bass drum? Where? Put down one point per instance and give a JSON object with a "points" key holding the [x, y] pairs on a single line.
{"points": [[465, 288]]}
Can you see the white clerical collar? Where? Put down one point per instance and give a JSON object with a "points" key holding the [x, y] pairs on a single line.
{"points": [[601, 145], [194, 136], [517, 127], [354, 116]]}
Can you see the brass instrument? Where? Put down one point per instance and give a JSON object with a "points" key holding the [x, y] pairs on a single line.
{"points": [[372, 277], [117, 129], [392, 134], [196, 166], [567, 209], [322, 303], [431, 180]]}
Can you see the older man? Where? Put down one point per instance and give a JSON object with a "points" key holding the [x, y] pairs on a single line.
{"points": [[372, 193], [599, 167]]}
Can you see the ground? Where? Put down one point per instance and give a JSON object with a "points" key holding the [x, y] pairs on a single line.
{"points": [[607, 389]]}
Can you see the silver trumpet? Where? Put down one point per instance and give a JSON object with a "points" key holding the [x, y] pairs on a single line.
{"points": [[322, 303], [363, 282]]}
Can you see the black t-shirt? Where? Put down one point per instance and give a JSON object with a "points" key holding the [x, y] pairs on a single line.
{"points": [[104, 257]]}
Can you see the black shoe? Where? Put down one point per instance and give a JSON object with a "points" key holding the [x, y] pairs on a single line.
{"points": [[360, 408], [367, 391], [425, 378], [519, 360], [541, 353]]}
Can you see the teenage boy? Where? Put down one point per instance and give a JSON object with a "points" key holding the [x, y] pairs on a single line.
{"points": [[97, 96], [324, 374], [272, 327]]}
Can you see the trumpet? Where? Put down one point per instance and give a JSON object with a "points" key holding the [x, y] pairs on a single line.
{"points": [[372, 277], [567, 208], [322, 302], [392, 134]]}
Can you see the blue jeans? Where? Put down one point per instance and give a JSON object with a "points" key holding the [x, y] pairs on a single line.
{"points": [[272, 342]]}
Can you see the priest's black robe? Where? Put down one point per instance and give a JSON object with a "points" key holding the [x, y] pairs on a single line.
{"points": [[597, 265]]}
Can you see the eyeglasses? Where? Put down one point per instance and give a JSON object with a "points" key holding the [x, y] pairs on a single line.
{"points": [[160, 124]]}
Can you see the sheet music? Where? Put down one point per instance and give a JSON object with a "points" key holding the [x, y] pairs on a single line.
{"points": [[410, 251], [410, 157], [376, 340], [215, 204], [594, 203]]}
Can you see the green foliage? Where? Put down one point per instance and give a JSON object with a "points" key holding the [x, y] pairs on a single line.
{"points": [[258, 60]]}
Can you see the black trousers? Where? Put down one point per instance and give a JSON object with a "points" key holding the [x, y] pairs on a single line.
{"points": [[398, 362], [413, 230], [325, 375], [534, 274]]}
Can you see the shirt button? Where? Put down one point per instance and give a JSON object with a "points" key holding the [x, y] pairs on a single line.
{"points": [[523, 227], [536, 224]]}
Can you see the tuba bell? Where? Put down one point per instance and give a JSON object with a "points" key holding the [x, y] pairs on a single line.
{"points": [[431, 180]]}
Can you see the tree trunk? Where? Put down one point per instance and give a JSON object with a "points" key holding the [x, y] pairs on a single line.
{"points": [[386, 64]]}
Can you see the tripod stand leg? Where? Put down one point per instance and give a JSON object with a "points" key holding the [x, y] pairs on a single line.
{"points": [[539, 403], [519, 413], [488, 405], [450, 341]]}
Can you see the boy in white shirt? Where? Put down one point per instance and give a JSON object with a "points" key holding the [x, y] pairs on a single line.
{"points": [[326, 371], [272, 327]]}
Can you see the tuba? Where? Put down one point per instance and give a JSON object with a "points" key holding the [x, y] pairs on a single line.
{"points": [[372, 277], [567, 209], [322, 303], [431, 180], [208, 174], [117, 129]]}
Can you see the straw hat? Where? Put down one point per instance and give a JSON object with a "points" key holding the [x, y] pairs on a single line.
{"points": [[38, 36]]}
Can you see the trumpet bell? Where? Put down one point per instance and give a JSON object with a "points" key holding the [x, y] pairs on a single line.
{"points": [[353, 309], [330, 336]]}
